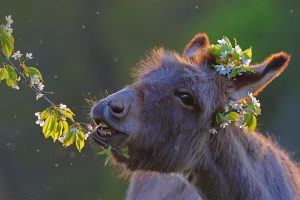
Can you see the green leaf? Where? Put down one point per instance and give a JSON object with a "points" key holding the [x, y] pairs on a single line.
{"points": [[45, 113], [216, 50], [12, 76], [235, 57], [79, 144], [107, 160], [65, 127], [6, 42], [233, 116], [227, 40], [106, 151], [248, 53], [3, 73], [34, 72], [69, 139], [52, 127], [257, 110], [57, 131], [125, 151], [220, 117], [68, 113], [46, 126], [253, 124], [80, 135], [250, 122]]}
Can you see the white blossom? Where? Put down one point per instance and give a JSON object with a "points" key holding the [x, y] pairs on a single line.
{"points": [[39, 95], [223, 124], [223, 54], [16, 87], [245, 61], [218, 67], [8, 24], [9, 19], [17, 55], [29, 56], [213, 131], [62, 106], [237, 49], [8, 29], [222, 42], [34, 80], [41, 86], [254, 100], [40, 122], [235, 106], [89, 127], [87, 135], [61, 139], [225, 70], [38, 114]]}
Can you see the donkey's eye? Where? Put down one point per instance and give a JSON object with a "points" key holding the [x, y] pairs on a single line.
{"points": [[186, 98]]}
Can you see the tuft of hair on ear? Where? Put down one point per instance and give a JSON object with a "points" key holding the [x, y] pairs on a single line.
{"points": [[278, 61], [199, 41], [264, 74]]}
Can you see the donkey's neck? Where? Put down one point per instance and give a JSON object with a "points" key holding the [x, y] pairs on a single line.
{"points": [[239, 165]]}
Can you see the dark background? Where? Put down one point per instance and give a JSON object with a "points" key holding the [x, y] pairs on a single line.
{"points": [[85, 47]]}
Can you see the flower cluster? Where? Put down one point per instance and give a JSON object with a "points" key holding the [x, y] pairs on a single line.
{"points": [[55, 125], [242, 113], [7, 27], [231, 61], [53, 120]]}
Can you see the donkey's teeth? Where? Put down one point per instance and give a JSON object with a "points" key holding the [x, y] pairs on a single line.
{"points": [[101, 124]]}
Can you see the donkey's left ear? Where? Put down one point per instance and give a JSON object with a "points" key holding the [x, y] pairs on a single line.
{"points": [[264, 73], [198, 42]]}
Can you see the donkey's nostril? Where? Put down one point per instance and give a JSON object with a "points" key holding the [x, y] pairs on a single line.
{"points": [[116, 107]]}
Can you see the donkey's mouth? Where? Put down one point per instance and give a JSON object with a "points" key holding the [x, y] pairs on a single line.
{"points": [[105, 135]]}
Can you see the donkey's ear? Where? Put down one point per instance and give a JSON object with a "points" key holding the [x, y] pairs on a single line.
{"points": [[199, 41], [263, 74]]}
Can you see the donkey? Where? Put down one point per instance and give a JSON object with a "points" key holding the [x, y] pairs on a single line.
{"points": [[164, 119], [145, 185]]}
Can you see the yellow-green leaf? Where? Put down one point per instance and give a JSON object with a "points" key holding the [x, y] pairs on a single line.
{"points": [[68, 114], [45, 113], [248, 53], [69, 139], [79, 144], [65, 127], [58, 131], [52, 127], [34, 72], [3, 73], [233, 116], [47, 123], [6, 42], [12, 76], [253, 124]]}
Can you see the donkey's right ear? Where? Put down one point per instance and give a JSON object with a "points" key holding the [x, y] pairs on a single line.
{"points": [[199, 41]]}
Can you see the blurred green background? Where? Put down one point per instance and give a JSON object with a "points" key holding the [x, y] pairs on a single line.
{"points": [[87, 47]]}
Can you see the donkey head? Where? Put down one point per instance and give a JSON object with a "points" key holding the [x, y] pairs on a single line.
{"points": [[164, 117]]}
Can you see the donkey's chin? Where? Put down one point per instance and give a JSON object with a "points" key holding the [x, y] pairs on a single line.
{"points": [[106, 135]]}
